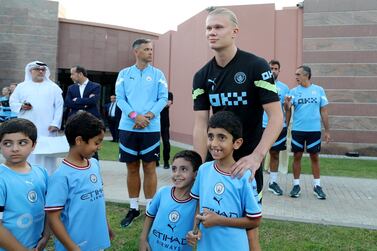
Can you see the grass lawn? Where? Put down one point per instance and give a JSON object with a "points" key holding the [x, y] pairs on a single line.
{"points": [[274, 235], [356, 168]]}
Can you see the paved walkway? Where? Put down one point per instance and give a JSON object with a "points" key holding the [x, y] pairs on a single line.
{"points": [[350, 201]]}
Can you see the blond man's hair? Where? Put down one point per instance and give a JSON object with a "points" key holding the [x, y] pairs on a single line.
{"points": [[220, 11]]}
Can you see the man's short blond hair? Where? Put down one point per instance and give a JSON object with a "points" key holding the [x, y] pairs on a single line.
{"points": [[214, 11]]}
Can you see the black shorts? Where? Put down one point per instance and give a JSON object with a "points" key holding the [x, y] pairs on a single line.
{"points": [[134, 146], [309, 140], [281, 142]]}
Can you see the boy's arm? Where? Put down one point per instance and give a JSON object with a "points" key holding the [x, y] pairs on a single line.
{"points": [[46, 236], [210, 219], [143, 244], [111, 233], [8, 241], [59, 230], [193, 236]]}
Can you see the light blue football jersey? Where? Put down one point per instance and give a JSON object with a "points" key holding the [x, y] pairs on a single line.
{"points": [[78, 192], [228, 197], [283, 91], [141, 91], [307, 102], [173, 219], [22, 199]]}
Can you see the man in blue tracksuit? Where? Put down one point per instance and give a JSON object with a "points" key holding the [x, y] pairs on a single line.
{"points": [[142, 93]]}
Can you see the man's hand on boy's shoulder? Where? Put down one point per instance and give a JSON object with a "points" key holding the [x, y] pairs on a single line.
{"points": [[249, 162]]}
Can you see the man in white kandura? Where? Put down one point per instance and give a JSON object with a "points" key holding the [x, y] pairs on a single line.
{"points": [[39, 100]]}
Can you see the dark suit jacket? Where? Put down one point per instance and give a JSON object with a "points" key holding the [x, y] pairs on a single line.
{"points": [[85, 103], [164, 115], [118, 111]]}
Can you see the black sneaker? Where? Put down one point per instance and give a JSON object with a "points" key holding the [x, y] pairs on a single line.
{"points": [[275, 189], [296, 190], [319, 193], [131, 215], [166, 166]]}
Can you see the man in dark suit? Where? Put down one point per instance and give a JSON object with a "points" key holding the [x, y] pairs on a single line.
{"points": [[113, 114], [165, 126], [83, 94]]}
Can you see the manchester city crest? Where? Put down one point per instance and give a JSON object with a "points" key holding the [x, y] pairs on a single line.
{"points": [[240, 78], [32, 196], [93, 178], [219, 188], [174, 216]]}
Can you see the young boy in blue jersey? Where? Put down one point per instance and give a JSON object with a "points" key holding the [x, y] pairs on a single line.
{"points": [[75, 203], [22, 189], [228, 206], [170, 212]]}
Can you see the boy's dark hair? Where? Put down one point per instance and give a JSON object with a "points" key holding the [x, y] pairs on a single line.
{"points": [[83, 124], [19, 125], [228, 121], [190, 156]]}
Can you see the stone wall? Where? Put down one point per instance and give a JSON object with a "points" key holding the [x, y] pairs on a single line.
{"points": [[97, 47], [340, 45], [28, 32]]}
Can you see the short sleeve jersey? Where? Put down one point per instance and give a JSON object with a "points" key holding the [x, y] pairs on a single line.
{"points": [[228, 197], [22, 199], [307, 102], [283, 91], [242, 86], [78, 192], [173, 219]]}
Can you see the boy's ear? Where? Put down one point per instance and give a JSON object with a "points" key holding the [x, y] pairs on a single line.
{"points": [[237, 143], [33, 146], [78, 140]]}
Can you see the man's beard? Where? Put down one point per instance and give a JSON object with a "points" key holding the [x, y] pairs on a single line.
{"points": [[38, 79]]}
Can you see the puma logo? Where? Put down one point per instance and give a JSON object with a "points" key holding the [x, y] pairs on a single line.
{"points": [[171, 227], [217, 200], [211, 81]]}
